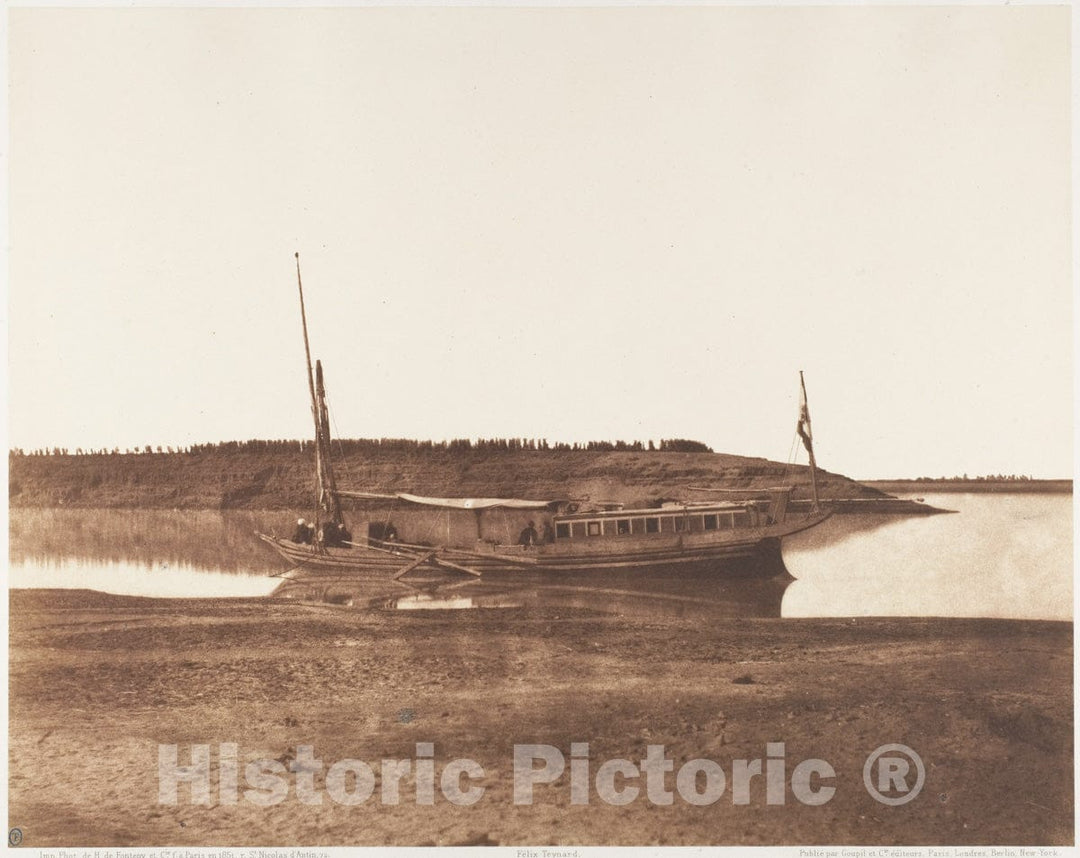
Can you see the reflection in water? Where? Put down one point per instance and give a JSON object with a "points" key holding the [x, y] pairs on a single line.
{"points": [[838, 529], [1007, 556], [163, 553], [693, 596], [161, 580], [434, 602], [201, 538], [699, 595]]}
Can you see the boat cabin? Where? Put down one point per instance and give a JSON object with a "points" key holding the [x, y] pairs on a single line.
{"points": [[469, 522], [668, 520]]}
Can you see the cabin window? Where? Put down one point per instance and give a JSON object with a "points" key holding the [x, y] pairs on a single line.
{"points": [[623, 525], [652, 525], [740, 519], [667, 524], [637, 526], [594, 528], [577, 529], [562, 530], [680, 524], [710, 522], [610, 527], [696, 525]]}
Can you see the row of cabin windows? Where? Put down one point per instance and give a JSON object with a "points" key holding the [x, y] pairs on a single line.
{"points": [[651, 524]]}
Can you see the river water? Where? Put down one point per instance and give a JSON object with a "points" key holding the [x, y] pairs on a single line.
{"points": [[997, 556]]}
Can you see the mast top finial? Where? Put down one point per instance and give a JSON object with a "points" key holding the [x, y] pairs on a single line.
{"points": [[297, 254]]}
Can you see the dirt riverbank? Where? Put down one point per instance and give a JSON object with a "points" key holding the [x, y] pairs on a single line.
{"points": [[99, 682]]}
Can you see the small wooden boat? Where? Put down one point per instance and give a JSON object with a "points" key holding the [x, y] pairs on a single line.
{"points": [[392, 534]]}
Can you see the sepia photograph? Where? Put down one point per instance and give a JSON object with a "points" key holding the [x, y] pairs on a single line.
{"points": [[540, 427]]}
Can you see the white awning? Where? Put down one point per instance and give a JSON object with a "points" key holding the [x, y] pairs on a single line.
{"points": [[453, 503], [476, 503]]}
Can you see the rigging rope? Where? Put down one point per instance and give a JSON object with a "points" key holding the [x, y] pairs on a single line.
{"points": [[337, 436], [434, 523]]}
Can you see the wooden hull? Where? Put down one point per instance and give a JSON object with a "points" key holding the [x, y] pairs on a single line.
{"points": [[742, 551]]}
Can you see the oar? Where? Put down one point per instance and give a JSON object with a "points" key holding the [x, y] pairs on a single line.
{"points": [[410, 551], [414, 564], [438, 561], [388, 547]]}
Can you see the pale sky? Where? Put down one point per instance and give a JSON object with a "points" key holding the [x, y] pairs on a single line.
{"points": [[609, 223]]}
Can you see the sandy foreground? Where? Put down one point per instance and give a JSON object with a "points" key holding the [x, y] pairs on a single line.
{"points": [[98, 683]]}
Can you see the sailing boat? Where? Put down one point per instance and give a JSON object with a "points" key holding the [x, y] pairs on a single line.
{"points": [[557, 535]]}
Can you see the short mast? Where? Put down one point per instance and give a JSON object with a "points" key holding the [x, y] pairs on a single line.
{"points": [[807, 435]]}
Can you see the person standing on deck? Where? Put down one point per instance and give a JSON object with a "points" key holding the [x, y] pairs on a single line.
{"points": [[528, 535]]}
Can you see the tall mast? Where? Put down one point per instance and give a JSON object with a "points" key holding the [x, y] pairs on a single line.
{"points": [[326, 500], [807, 435], [314, 402]]}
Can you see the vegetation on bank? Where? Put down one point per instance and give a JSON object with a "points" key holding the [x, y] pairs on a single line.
{"points": [[401, 445], [280, 474], [988, 478], [975, 485]]}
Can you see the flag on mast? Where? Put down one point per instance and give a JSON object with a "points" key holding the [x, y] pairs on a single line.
{"points": [[803, 427]]}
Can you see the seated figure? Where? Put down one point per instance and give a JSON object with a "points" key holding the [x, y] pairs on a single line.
{"points": [[303, 533]]}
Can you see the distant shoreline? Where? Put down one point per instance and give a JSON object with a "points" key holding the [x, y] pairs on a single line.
{"points": [[972, 486]]}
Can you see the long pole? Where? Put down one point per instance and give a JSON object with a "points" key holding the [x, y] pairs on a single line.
{"points": [[307, 348], [314, 402]]}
